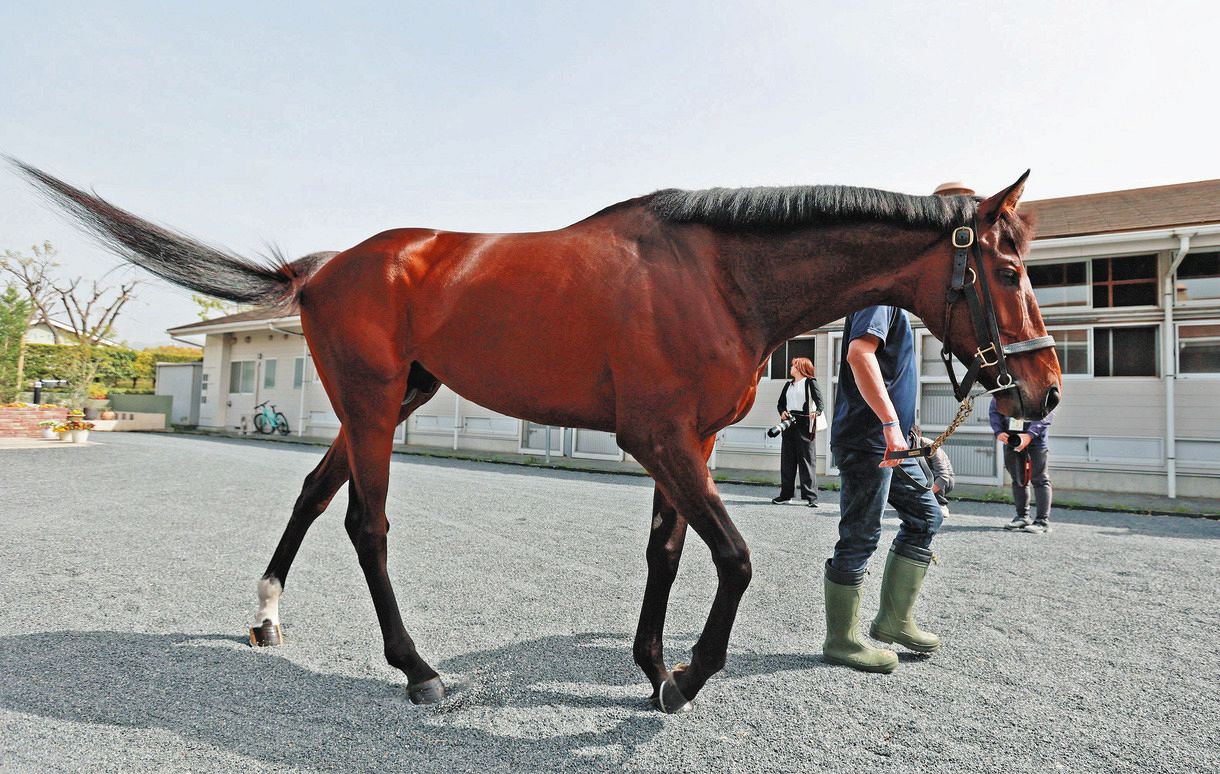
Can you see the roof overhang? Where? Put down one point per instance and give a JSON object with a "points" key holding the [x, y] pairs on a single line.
{"points": [[234, 327]]}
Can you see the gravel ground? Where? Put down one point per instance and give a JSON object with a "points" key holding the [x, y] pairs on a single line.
{"points": [[128, 578]]}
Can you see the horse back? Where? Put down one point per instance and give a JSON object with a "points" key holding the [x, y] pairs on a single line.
{"points": [[568, 327]]}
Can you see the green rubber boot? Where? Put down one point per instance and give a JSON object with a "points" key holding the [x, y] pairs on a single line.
{"points": [[895, 621], [843, 642]]}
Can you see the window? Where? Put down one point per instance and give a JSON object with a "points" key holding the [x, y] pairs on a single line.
{"points": [[241, 377], [298, 372], [1199, 348], [1072, 347], [1198, 277], [781, 359], [269, 373], [1060, 284], [1129, 281], [1125, 351]]}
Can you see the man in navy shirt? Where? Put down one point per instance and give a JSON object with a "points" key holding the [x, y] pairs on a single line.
{"points": [[874, 412]]}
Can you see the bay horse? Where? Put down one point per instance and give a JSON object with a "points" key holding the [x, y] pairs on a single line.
{"points": [[653, 319]]}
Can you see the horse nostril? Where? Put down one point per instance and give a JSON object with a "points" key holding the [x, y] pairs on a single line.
{"points": [[1052, 399]]}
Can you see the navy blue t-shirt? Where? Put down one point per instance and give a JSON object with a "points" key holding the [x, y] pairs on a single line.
{"points": [[855, 425]]}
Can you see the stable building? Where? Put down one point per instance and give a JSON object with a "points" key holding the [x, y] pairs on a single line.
{"points": [[1129, 285]]}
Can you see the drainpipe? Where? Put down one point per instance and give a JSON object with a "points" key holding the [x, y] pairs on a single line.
{"points": [[457, 418], [304, 386], [1170, 360]]}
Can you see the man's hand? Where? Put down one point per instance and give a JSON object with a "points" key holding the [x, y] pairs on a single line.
{"points": [[1003, 438], [1026, 440], [894, 441], [785, 415]]}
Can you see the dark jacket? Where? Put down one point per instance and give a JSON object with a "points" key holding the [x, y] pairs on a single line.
{"points": [[813, 397]]}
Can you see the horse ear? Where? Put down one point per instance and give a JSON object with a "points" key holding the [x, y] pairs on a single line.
{"points": [[1005, 201]]}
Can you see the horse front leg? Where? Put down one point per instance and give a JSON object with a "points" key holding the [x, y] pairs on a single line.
{"points": [[675, 458]]}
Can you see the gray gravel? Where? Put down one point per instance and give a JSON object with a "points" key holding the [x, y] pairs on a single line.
{"points": [[128, 574]]}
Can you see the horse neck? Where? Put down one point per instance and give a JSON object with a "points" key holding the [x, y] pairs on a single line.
{"points": [[795, 281]]}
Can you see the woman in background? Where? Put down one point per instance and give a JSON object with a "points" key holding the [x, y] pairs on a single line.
{"points": [[800, 399]]}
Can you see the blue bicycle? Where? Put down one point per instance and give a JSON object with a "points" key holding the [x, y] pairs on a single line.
{"points": [[268, 420]]}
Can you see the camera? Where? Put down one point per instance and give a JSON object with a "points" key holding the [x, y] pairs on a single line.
{"points": [[783, 425], [1015, 428]]}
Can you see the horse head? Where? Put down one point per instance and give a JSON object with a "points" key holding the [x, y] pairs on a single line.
{"points": [[1024, 372]]}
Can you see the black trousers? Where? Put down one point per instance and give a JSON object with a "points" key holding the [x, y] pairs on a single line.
{"points": [[797, 456]]}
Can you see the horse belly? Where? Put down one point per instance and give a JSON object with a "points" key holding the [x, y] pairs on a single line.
{"points": [[525, 359]]}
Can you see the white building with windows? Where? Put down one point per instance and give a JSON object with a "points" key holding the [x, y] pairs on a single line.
{"points": [[1128, 282]]}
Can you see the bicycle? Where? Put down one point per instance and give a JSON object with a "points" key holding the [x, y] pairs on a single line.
{"points": [[268, 420]]}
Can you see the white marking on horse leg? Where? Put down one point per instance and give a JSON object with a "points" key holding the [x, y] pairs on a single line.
{"points": [[269, 590]]}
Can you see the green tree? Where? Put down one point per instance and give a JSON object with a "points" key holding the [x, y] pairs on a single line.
{"points": [[14, 318]]}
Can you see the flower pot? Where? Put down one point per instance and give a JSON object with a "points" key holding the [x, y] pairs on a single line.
{"points": [[65, 436], [79, 436], [49, 434]]}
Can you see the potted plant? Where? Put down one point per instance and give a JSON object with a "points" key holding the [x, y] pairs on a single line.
{"points": [[48, 428], [79, 430], [61, 430]]}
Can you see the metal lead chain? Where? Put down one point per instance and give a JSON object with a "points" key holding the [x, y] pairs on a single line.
{"points": [[963, 411]]}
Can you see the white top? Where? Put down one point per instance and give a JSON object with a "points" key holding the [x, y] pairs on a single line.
{"points": [[796, 395]]}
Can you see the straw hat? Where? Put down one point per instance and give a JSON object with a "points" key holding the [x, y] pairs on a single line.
{"points": [[953, 188]]}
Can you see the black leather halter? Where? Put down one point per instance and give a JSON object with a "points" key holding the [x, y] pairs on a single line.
{"points": [[991, 351]]}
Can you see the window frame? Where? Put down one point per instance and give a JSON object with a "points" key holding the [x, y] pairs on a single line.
{"points": [[811, 336], [241, 367], [1087, 285], [271, 369], [1177, 351], [1190, 303], [1156, 337], [1154, 280], [1088, 331]]}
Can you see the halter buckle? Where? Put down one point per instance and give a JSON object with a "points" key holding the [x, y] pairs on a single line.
{"points": [[963, 237], [981, 354]]}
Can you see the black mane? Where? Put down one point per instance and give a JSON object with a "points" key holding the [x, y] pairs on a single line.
{"points": [[789, 206]]}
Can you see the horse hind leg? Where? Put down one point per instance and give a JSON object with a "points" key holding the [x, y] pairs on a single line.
{"points": [[319, 489], [366, 395]]}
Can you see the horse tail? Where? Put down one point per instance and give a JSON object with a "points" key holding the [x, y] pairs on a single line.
{"points": [[176, 257]]}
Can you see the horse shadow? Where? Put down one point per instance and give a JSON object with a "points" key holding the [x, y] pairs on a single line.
{"points": [[556, 700]]}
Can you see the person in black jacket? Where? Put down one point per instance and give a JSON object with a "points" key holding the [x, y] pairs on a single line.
{"points": [[800, 399]]}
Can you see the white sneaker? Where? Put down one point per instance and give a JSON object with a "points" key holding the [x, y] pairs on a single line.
{"points": [[1018, 522]]}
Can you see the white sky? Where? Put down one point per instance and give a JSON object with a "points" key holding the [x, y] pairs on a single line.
{"points": [[314, 126]]}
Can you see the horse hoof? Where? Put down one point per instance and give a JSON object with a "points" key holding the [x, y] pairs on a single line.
{"points": [[427, 692], [670, 699], [266, 635]]}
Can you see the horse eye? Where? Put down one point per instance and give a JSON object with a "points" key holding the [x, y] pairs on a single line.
{"points": [[1010, 276]]}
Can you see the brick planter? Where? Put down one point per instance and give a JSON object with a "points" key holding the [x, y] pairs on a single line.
{"points": [[23, 422]]}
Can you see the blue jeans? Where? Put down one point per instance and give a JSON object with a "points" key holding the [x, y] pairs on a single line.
{"points": [[865, 489]]}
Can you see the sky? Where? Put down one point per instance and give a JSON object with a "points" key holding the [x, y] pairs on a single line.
{"points": [[312, 126]]}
